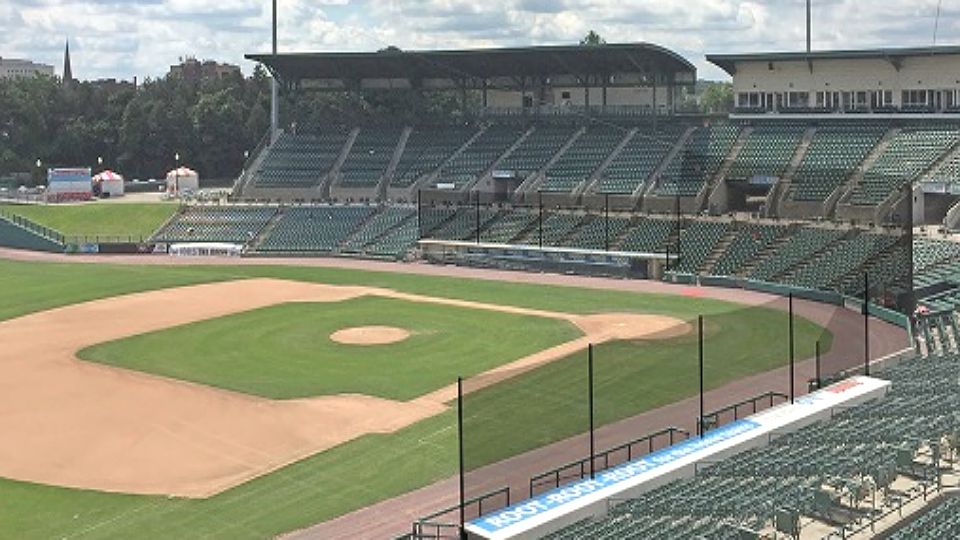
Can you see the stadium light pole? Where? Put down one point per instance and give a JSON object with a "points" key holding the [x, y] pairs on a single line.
{"points": [[274, 88], [176, 173]]}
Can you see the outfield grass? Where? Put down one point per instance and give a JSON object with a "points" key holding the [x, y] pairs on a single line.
{"points": [[630, 377], [98, 218], [285, 352]]}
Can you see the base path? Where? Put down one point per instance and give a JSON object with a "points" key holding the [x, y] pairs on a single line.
{"points": [[85, 425]]}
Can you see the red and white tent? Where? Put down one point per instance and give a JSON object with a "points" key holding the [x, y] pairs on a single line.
{"points": [[110, 183], [183, 179]]}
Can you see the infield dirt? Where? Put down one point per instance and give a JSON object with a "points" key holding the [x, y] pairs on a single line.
{"points": [[76, 424]]}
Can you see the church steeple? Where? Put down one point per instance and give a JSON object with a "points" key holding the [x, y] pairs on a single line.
{"points": [[67, 69]]}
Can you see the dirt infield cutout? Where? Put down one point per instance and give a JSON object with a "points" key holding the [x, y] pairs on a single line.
{"points": [[82, 425], [370, 335]]}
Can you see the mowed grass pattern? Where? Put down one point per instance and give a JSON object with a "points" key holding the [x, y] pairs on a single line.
{"points": [[285, 351], [374, 467]]}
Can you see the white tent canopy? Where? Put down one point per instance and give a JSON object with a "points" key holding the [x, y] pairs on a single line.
{"points": [[183, 179], [110, 183]]}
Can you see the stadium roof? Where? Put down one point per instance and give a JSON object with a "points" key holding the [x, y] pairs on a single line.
{"points": [[471, 67], [728, 62]]}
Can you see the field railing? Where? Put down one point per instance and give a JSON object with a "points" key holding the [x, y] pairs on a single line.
{"points": [[580, 469], [32, 226], [431, 527], [753, 405]]}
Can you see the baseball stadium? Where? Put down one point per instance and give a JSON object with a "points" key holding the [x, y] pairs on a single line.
{"points": [[575, 311]]}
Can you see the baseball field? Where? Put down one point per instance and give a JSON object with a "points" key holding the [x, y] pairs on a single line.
{"points": [[247, 401]]}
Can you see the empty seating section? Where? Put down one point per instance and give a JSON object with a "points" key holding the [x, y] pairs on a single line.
{"points": [[935, 261], [698, 239], [480, 155], [398, 242], [831, 471], [834, 154], [432, 219], [802, 245], [910, 153], [509, 226], [638, 159], [426, 149], [887, 270], [767, 151], [846, 256], [370, 156], [300, 161], [941, 522], [948, 172], [314, 228], [236, 224], [580, 161], [379, 225], [698, 161], [556, 228], [750, 239], [599, 233], [648, 236], [537, 149], [464, 225]]}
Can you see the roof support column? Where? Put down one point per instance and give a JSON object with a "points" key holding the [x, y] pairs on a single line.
{"points": [[606, 80]]}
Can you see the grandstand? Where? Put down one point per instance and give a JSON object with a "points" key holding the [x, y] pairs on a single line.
{"points": [[835, 478]]}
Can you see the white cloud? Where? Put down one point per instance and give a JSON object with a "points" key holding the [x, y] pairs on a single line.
{"points": [[118, 38]]}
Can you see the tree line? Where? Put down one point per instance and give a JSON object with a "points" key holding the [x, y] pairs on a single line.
{"points": [[137, 131]]}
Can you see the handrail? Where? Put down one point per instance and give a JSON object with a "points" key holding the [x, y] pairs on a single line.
{"points": [[712, 418], [582, 465], [32, 226], [429, 523]]}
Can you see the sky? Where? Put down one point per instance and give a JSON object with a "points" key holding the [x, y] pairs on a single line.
{"points": [[122, 39]]}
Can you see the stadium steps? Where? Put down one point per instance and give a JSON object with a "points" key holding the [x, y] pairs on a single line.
{"points": [[798, 156], [716, 185], [710, 262], [166, 223], [767, 251], [616, 243], [252, 167], [394, 162], [843, 193], [487, 174], [433, 175], [590, 186], [334, 172], [647, 189], [264, 232], [886, 207], [535, 180]]}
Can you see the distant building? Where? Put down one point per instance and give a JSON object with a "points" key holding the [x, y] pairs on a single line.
{"points": [[194, 70], [13, 68]]}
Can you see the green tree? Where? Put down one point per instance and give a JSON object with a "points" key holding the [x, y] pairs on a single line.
{"points": [[717, 97], [592, 39]]}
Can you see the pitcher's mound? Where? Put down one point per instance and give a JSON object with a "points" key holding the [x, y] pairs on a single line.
{"points": [[370, 335]]}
